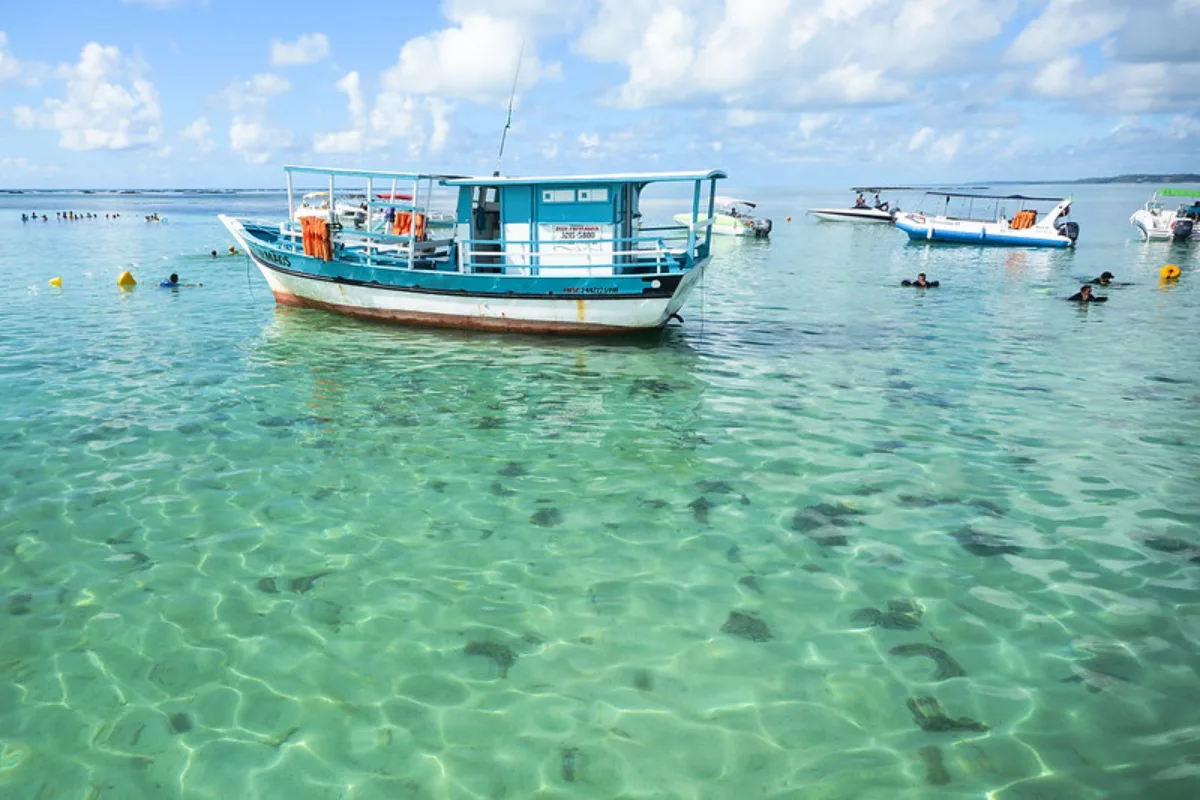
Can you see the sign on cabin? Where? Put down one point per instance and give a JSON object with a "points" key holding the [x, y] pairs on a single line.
{"points": [[573, 233], [582, 244]]}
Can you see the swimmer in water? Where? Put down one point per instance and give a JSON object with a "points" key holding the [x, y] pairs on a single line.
{"points": [[232, 250], [1104, 280], [921, 283], [214, 253], [1084, 295], [173, 282]]}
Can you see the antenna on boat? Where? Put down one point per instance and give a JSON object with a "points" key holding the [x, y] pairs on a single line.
{"points": [[508, 119]]}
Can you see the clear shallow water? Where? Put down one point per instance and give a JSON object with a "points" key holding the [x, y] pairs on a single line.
{"points": [[249, 551]]}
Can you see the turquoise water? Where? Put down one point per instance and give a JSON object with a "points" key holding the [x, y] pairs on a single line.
{"points": [[250, 551]]}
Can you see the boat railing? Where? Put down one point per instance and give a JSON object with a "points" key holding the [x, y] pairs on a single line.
{"points": [[660, 250], [701, 224], [639, 255]]}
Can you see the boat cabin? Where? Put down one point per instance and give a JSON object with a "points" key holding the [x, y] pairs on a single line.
{"points": [[583, 225]]}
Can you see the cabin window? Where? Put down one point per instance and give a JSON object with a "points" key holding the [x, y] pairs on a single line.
{"points": [[558, 196], [593, 195]]}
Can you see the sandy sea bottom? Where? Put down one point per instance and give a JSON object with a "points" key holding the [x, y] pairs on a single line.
{"points": [[830, 539]]}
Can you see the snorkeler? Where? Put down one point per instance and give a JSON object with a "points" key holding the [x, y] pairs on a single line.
{"points": [[921, 283], [1104, 280], [173, 282], [1084, 295]]}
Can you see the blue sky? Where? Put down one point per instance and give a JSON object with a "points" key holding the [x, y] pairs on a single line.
{"points": [[206, 93]]}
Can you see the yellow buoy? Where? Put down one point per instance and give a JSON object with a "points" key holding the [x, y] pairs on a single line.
{"points": [[126, 279], [1169, 271], [56, 282]]}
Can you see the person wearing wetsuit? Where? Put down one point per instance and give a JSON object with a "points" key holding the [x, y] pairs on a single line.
{"points": [[1104, 280], [1084, 295], [921, 283]]}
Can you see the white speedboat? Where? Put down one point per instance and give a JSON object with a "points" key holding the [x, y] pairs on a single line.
{"points": [[732, 217], [348, 209], [982, 219], [862, 211], [1156, 222]]}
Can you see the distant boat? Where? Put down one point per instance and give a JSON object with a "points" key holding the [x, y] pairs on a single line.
{"points": [[884, 211], [989, 225], [732, 217], [540, 254], [1156, 222]]}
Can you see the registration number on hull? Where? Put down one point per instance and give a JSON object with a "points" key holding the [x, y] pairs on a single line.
{"points": [[278, 259]]}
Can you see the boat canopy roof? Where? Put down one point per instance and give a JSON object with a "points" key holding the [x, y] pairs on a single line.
{"points": [[997, 196], [1171, 192], [629, 177], [366, 173], [868, 189]]}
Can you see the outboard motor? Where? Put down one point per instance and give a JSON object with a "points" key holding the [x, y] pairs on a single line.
{"points": [[1068, 229], [762, 227], [1182, 229]]}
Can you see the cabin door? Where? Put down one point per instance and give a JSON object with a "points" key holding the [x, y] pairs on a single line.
{"points": [[485, 224]]}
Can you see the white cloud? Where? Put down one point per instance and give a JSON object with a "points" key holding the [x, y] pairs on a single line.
{"points": [[255, 140], [475, 60], [31, 73], [920, 138], [250, 133], [534, 16], [773, 54], [809, 124], [253, 94], [358, 109], [13, 167], [946, 148], [423, 123], [934, 148], [9, 66], [309, 48], [745, 118], [98, 111], [1063, 26], [200, 131]]}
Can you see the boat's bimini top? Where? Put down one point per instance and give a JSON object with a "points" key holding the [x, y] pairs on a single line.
{"points": [[630, 177], [367, 173], [998, 197], [722, 200]]}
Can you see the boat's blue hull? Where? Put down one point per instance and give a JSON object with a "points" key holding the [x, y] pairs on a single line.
{"points": [[933, 233]]}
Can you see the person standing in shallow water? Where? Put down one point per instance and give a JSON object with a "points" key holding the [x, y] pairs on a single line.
{"points": [[921, 283]]}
